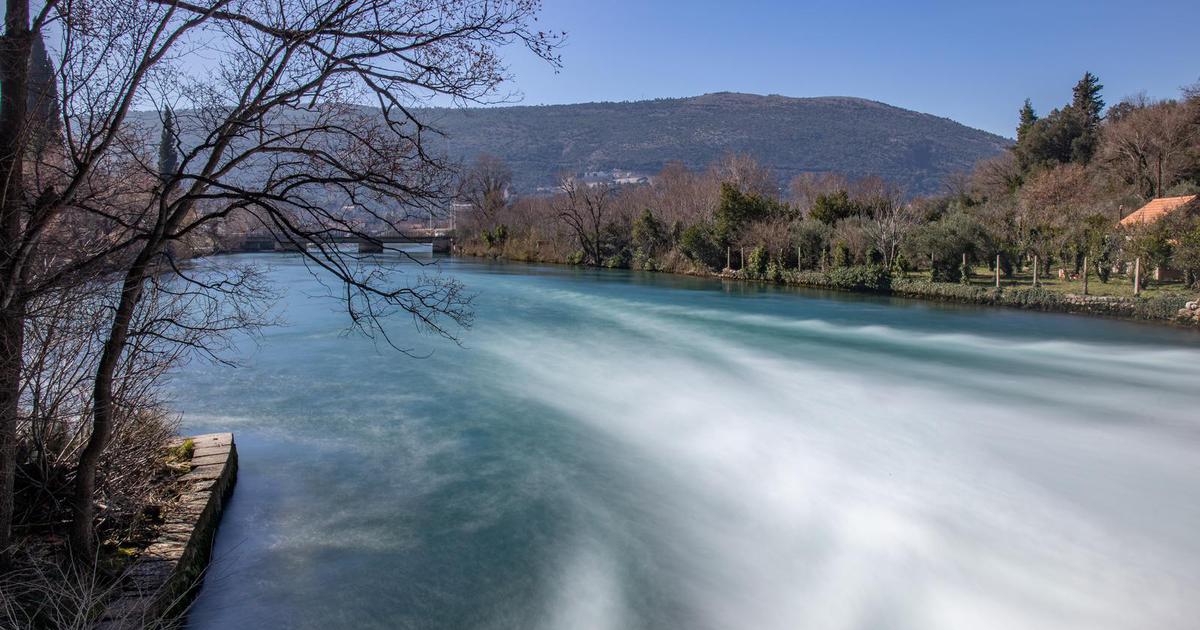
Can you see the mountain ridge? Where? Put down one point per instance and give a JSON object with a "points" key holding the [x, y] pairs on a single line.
{"points": [[851, 135]]}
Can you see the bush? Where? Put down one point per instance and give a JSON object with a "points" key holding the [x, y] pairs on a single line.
{"points": [[576, 257], [774, 271], [698, 244], [858, 278], [756, 263], [1159, 307], [643, 261]]}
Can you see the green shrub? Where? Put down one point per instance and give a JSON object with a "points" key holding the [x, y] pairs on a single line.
{"points": [[698, 244], [756, 263], [1159, 307], [615, 262], [857, 278], [774, 271], [576, 257]]}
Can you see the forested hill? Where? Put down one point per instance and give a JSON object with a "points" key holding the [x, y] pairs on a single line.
{"points": [[793, 135]]}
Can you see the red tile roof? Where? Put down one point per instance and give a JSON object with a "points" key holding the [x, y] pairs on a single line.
{"points": [[1157, 209]]}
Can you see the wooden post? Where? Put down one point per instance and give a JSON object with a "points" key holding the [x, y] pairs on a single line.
{"points": [[1085, 275], [728, 261], [797, 259], [1035, 270], [966, 272], [742, 262], [997, 271], [1137, 276]]}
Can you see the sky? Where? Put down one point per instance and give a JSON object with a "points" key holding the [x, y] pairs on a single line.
{"points": [[972, 61]]}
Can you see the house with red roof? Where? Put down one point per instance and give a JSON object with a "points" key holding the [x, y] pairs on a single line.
{"points": [[1155, 211]]}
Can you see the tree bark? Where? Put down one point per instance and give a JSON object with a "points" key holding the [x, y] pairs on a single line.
{"points": [[14, 78], [83, 538]]}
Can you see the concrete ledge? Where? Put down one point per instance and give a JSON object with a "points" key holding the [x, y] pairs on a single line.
{"points": [[169, 571]]}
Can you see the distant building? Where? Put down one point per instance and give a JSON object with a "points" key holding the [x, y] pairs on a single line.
{"points": [[1157, 209], [1154, 212]]}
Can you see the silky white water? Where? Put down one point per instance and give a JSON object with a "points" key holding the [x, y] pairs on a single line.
{"points": [[617, 450]]}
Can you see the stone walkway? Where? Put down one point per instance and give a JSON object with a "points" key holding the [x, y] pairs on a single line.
{"points": [[169, 571]]}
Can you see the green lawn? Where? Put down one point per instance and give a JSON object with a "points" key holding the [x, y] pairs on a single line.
{"points": [[1117, 285]]}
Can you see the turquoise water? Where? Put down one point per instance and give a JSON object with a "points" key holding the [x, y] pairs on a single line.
{"points": [[620, 450]]}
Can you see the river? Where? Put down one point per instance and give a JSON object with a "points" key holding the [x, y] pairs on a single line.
{"points": [[620, 450]]}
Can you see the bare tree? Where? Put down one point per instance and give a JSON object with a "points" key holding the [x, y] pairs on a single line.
{"points": [[275, 126], [485, 186], [890, 225], [1152, 145], [585, 209], [997, 177], [748, 175], [804, 188]]}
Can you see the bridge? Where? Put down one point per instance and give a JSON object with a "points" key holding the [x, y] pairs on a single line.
{"points": [[439, 241]]}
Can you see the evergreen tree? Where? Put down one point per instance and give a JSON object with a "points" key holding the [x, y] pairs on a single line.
{"points": [[1086, 100], [1028, 118], [168, 158], [42, 98], [1086, 107]]}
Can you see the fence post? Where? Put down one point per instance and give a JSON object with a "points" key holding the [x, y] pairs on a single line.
{"points": [[1137, 276], [1085, 275]]}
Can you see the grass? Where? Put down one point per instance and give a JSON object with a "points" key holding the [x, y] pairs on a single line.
{"points": [[1117, 285], [183, 452]]}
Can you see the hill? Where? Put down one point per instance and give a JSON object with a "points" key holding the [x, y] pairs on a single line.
{"points": [[854, 136]]}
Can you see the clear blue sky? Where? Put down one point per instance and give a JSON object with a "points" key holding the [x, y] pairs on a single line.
{"points": [[971, 61]]}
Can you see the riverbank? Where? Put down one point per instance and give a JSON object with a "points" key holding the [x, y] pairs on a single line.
{"points": [[1173, 308], [594, 430]]}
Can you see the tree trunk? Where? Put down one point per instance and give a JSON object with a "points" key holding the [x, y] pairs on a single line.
{"points": [[14, 78], [11, 343], [83, 539]]}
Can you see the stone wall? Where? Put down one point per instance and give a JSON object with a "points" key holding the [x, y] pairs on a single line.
{"points": [[167, 574], [1190, 313]]}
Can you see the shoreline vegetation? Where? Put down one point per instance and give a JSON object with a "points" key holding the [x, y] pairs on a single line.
{"points": [[1162, 306]]}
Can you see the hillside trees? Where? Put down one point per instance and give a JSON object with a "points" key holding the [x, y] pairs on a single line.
{"points": [[1066, 135]]}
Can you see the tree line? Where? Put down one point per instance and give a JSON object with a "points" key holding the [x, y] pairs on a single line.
{"points": [[1056, 196]]}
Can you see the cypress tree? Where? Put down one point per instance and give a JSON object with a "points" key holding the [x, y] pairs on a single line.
{"points": [[168, 158], [41, 98]]}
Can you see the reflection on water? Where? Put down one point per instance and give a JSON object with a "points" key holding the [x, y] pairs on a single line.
{"points": [[614, 450]]}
